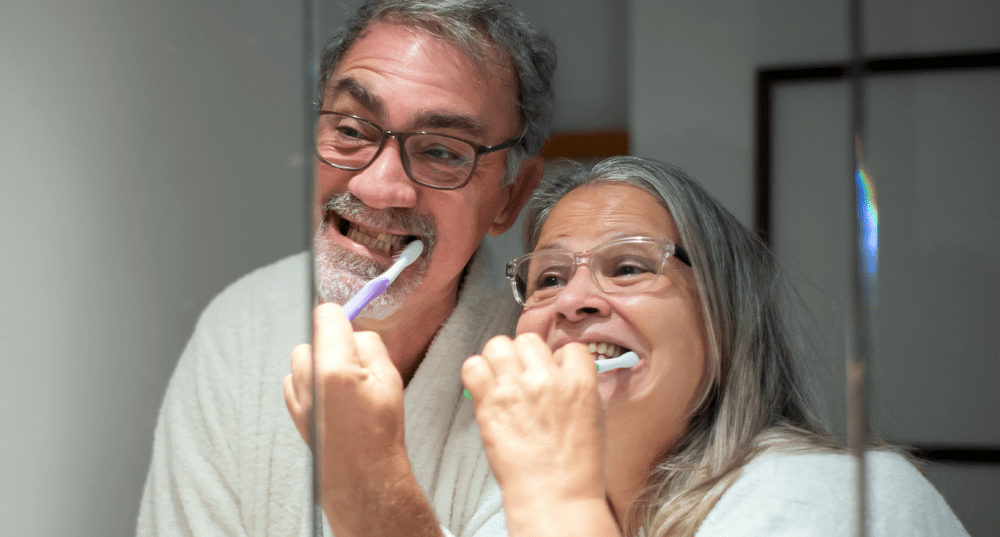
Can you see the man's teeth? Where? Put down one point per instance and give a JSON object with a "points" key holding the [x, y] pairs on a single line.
{"points": [[383, 242], [603, 351]]}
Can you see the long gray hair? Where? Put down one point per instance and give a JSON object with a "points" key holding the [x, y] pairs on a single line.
{"points": [[752, 398], [476, 27]]}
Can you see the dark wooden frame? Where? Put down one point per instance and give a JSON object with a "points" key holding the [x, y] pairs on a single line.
{"points": [[768, 78], [586, 145]]}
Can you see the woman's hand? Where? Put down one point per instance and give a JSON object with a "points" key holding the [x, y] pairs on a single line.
{"points": [[541, 421]]}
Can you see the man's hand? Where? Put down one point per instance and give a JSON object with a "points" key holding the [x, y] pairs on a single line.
{"points": [[367, 484]]}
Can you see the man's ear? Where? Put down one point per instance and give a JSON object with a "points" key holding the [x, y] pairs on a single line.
{"points": [[527, 180]]}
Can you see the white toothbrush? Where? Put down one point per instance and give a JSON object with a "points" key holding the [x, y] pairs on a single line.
{"points": [[629, 359], [378, 286]]}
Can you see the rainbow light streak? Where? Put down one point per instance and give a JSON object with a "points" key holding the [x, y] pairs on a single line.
{"points": [[867, 233]]}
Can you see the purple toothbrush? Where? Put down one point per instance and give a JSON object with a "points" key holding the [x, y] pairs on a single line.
{"points": [[378, 286]]}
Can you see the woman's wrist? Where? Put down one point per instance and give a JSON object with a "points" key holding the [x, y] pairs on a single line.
{"points": [[544, 516]]}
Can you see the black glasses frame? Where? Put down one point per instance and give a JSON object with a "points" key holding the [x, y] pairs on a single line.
{"points": [[480, 150]]}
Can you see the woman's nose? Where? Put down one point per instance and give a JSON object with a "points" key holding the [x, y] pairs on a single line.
{"points": [[581, 297]]}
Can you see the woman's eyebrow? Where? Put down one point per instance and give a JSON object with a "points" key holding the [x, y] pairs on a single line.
{"points": [[550, 246]]}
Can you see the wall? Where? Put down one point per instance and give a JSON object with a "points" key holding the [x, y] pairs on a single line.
{"points": [[149, 155]]}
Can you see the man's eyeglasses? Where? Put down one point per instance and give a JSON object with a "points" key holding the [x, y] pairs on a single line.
{"points": [[432, 160], [620, 266]]}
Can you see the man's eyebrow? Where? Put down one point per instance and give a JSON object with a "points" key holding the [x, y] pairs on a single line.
{"points": [[427, 120], [433, 120], [359, 92]]}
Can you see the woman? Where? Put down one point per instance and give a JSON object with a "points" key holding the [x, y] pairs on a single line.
{"points": [[709, 433]]}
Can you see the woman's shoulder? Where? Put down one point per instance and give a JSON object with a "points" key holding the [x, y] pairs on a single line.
{"points": [[807, 470], [812, 493]]}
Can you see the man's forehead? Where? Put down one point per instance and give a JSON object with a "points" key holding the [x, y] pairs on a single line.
{"points": [[473, 44], [485, 59], [389, 51]]}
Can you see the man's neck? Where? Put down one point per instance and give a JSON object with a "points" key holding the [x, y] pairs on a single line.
{"points": [[407, 333]]}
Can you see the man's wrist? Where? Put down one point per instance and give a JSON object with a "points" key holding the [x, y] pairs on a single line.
{"points": [[388, 502]]}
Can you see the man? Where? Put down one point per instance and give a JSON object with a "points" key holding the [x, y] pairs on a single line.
{"points": [[474, 79]]}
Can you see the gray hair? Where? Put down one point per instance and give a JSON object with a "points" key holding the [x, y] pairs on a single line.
{"points": [[753, 397], [478, 28]]}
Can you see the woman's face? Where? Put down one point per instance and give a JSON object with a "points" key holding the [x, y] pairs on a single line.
{"points": [[647, 407]]}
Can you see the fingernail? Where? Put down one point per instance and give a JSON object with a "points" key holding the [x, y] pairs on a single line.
{"points": [[467, 394]]}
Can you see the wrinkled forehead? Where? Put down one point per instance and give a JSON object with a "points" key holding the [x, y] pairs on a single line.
{"points": [[402, 53], [595, 213]]}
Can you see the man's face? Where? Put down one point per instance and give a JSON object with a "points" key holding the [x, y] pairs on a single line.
{"points": [[405, 81]]}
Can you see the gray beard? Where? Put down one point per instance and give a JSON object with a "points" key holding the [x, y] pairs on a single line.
{"points": [[340, 274]]}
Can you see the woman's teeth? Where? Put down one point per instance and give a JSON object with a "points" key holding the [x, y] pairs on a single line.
{"points": [[382, 242], [603, 351]]}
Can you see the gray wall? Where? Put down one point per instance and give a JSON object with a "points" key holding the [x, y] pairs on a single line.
{"points": [[151, 153]]}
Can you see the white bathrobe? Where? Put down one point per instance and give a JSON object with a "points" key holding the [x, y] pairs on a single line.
{"points": [[812, 495], [227, 459]]}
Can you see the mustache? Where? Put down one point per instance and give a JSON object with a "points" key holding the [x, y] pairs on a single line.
{"points": [[404, 221]]}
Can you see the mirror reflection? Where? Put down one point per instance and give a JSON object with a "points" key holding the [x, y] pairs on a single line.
{"points": [[627, 506], [156, 321]]}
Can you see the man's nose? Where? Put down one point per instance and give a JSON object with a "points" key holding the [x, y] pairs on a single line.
{"points": [[384, 183], [582, 297]]}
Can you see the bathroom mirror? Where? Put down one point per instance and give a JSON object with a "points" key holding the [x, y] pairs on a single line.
{"points": [[682, 82]]}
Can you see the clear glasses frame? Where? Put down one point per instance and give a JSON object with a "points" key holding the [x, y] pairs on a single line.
{"points": [[565, 264], [475, 150]]}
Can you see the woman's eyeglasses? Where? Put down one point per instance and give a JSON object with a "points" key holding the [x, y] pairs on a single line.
{"points": [[620, 266]]}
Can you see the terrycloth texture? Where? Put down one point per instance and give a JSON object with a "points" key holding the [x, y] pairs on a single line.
{"points": [[810, 495], [227, 459], [806, 495]]}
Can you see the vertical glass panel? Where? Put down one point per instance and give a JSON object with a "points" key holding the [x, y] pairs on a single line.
{"points": [[811, 227], [930, 151], [932, 147]]}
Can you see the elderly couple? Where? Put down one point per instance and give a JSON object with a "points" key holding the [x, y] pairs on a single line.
{"points": [[431, 117]]}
